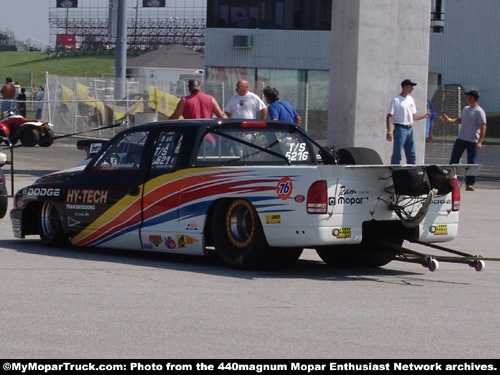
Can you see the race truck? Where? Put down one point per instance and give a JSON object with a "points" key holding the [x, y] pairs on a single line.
{"points": [[254, 192]]}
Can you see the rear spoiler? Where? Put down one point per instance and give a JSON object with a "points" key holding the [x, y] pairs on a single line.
{"points": [[460, 169]]}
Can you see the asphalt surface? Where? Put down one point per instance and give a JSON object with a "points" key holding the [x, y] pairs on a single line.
{"points": [[90, 303]]}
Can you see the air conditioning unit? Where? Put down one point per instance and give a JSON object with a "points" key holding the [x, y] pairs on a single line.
{"points": [[242, 41]]}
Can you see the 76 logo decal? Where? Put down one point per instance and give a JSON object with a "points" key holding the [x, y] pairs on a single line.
{"points": [[284, 188]]}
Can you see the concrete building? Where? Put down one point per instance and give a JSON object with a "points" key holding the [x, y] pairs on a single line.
{"points": [[372, 46]]}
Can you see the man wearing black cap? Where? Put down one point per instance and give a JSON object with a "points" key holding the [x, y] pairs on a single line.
{"points": [[401, 113], [197, 104], [471, 134]]}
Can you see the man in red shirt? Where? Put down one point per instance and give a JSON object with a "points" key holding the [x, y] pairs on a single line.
{"points": [[197, 104], [8, 91]]}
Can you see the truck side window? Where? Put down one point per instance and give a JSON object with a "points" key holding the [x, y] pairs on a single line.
{"points": [[124, 153], [166, 150]]}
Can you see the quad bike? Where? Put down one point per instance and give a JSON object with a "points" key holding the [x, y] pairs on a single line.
{"points": [[16, 128]]}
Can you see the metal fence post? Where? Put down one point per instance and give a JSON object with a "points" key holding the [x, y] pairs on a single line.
{"points": [[306, 109]]}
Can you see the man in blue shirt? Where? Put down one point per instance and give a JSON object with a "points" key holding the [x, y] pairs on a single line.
{"points": [[280, 110]]}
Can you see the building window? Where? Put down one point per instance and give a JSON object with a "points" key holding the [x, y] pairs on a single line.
{"points": [[270, 14]]}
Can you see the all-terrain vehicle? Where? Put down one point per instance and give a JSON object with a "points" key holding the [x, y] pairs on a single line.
{"points": [[15, 128]]}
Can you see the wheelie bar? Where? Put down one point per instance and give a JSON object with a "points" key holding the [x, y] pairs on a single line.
{"points": [[432, 261]]}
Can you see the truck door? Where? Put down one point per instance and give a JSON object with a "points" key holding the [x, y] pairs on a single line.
{"points": [[105, 207], [162, 195]]}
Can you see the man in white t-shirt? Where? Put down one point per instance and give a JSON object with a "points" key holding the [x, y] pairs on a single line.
{"points": [[245, 104], [401, 113]]}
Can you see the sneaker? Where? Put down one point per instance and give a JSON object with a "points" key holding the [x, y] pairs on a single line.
{"points": [[469, 188]]}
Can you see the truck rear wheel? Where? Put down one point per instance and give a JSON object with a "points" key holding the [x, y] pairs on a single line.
{"points": [[378, 248], [352, 256]]}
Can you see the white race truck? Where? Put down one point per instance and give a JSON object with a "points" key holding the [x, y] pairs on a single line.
{"points": [[256, 192]]}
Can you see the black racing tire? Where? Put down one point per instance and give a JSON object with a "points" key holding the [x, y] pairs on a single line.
{"points": [[358, 156], [3, 203], [370, 253], [47, 139], [30, 136], [352, 256], [238, 235], [282, 257], [50, 226]]}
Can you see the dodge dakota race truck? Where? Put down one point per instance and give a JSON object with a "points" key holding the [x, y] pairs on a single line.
{"points": [[255, 192]]}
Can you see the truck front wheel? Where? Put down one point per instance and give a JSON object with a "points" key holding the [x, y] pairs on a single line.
{"points": [[50, 226]]}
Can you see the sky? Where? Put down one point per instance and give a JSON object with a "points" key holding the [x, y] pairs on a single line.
{"points": [[26, 18]]}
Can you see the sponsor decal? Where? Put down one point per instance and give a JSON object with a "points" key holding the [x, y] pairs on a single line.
{"points": [[192, 226], [155, 239], [181, 240], [89, 196], [42, 192], [86, 207], [72, 222], [439, 230], [148, 246], [348, 197], [299, 198], [284, 188], [191, 240], [273, 218], [170, 243], [95, 148], [342, 232]]}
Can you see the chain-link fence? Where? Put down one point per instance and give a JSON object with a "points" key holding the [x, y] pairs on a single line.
{"points": [[80, 105]]}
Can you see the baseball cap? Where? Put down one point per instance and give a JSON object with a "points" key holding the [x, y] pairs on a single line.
{"points": [[408, 82], [473, 93], [194, 84]]}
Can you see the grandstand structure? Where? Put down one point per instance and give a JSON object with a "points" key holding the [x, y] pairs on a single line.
{"points": [[7, 42], [88, 24]]}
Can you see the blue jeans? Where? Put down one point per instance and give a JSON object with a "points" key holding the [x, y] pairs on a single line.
{"points": [[403, 138], [456, 153]]}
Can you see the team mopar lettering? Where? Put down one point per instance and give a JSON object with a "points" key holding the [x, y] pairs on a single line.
{"points": [[346, 197], [44, 192], [86, 196]]}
